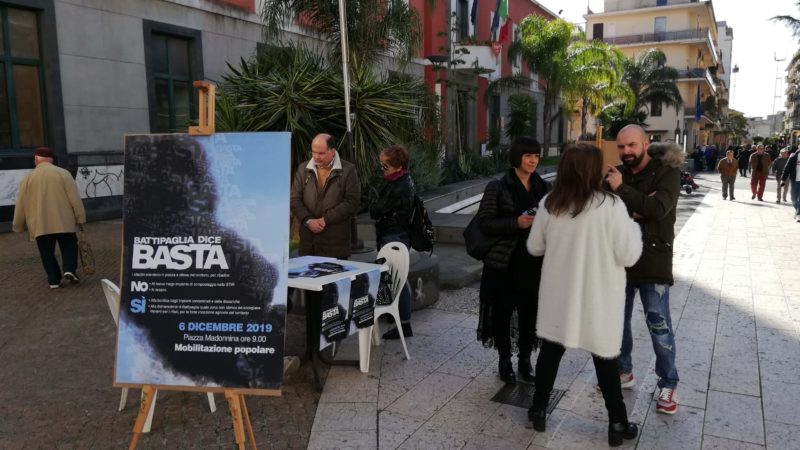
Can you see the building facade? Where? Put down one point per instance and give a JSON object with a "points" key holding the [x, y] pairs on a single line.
{"points": [[81, 74], [686, 31], [766, 126]]}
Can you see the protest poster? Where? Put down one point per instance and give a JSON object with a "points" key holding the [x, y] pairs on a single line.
{"points": [[205, 251]]}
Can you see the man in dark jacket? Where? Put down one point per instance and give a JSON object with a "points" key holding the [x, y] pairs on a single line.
{"points": [[325, 197], [759, 165], [791, 175], [649, 186]]}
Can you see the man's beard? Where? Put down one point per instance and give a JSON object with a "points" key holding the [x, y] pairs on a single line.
{"points": [[635, 162]]}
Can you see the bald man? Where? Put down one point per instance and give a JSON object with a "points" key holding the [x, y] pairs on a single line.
{"points": [[325, 196], [649, 186]]}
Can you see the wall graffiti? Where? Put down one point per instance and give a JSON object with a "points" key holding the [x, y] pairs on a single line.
{"points": [[100, 181]]}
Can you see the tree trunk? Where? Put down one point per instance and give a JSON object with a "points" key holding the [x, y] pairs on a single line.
{"points": [[547, 122], [584, 116]]}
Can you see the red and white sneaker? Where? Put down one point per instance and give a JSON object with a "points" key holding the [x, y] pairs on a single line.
{"points": [[667, 401], [626, 380]]}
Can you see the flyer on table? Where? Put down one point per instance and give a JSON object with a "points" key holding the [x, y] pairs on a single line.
{"points": [[205, 251]]}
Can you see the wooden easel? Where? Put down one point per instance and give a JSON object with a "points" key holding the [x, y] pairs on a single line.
{"points": [[235, 398]]}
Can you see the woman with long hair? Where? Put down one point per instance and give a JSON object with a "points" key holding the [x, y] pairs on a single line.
{"points": [[587, 239], [392, 212], [510, 277]]}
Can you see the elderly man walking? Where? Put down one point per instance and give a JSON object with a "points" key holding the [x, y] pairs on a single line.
{"points": [[759, 164], [727, 172], [49, 206]]}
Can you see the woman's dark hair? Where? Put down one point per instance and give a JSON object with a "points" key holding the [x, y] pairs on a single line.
{"points": [[397, 156], [580, 175], [522, 146]]}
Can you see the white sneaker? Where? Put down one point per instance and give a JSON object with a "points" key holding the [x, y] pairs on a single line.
{"points": [[71, 277], [626, 380], [667, 401], [55, 286]]}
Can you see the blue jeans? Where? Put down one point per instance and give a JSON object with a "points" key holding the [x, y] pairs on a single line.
{"points": [[405, 295], [655, 301], [795, 193]]}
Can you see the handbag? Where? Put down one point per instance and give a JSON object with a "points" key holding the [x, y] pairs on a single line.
{"points": [[86, 253], [478, 244]]}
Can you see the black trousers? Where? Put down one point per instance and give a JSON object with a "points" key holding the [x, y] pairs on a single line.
{"points": [[607, 376], [502, 309], [68, 243]]}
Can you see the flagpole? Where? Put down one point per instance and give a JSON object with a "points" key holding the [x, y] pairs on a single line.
{"points": [[345, 65]]}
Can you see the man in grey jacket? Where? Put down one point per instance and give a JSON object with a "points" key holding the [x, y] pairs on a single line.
{"points": [[777, 168], [325, 197]]}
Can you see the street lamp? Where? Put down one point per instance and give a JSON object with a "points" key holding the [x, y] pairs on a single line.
{"points": [[678, 132]]}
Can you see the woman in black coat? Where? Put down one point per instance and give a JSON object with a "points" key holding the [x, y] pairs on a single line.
{"points": [[511, 275], [392, 212]]}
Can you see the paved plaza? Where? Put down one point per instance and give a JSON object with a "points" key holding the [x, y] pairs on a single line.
{"points": [[736, 312]]}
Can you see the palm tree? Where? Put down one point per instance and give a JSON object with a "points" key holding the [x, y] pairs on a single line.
{"points": [[373, 28], [295, 89], [563, 60], [650, 82], [602, 87]]}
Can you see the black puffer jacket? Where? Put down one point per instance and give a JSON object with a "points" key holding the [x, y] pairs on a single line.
{"points": [[653, 195], [497, 217], [392, 210]]}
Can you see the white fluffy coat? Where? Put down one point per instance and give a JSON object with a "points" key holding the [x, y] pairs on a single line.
{"points": [[582, 292]]}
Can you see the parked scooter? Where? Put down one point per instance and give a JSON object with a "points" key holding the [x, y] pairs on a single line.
{"points": [[687, 182]]}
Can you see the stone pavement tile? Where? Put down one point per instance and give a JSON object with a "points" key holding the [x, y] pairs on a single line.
{"points": [[428, 396], [348, 384], [585, 399], [780, 401], [737, 375], [736, 292], [735, 323], [458, 415], [681, 430], [695, 330], [342, 440], [452, 341], [480, 390], [768, 318], [471, 323], [572, 365], [442, 318], [388, 393], [779, 355], [430, 438], [470, 361], [481, 441], [700, 311], [394, 429], [566, 430], [696, 357], [345, 417], [782, 436], [693, 387], [734, 416], [717, 443], [463, 300], [509, 423]]}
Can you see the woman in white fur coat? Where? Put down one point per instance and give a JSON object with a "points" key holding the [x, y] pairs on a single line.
{"points": [[587, 239]]}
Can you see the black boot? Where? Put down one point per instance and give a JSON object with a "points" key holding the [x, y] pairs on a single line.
{"points": [[525, 369], [619, 431], [394, 334], [506, 370], [539, 419]]}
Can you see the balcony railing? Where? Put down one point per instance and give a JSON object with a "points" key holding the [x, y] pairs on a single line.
{"points": [[678, 35], [698, 74], [624, 5]]}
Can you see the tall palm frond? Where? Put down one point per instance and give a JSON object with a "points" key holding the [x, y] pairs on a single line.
{"points": [[651, 81], [374, 28]]}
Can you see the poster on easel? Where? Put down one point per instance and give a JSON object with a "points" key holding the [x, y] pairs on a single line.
{"points": [[205, 252]]}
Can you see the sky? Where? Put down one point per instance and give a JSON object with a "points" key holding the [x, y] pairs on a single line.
{"points": [[756, 42]]}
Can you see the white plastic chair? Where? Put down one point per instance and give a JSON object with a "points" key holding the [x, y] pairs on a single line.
{"points": [[111, 292], [396, 256]]}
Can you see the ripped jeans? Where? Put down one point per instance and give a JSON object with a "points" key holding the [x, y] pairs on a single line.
{"points": [[655, 302]]}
